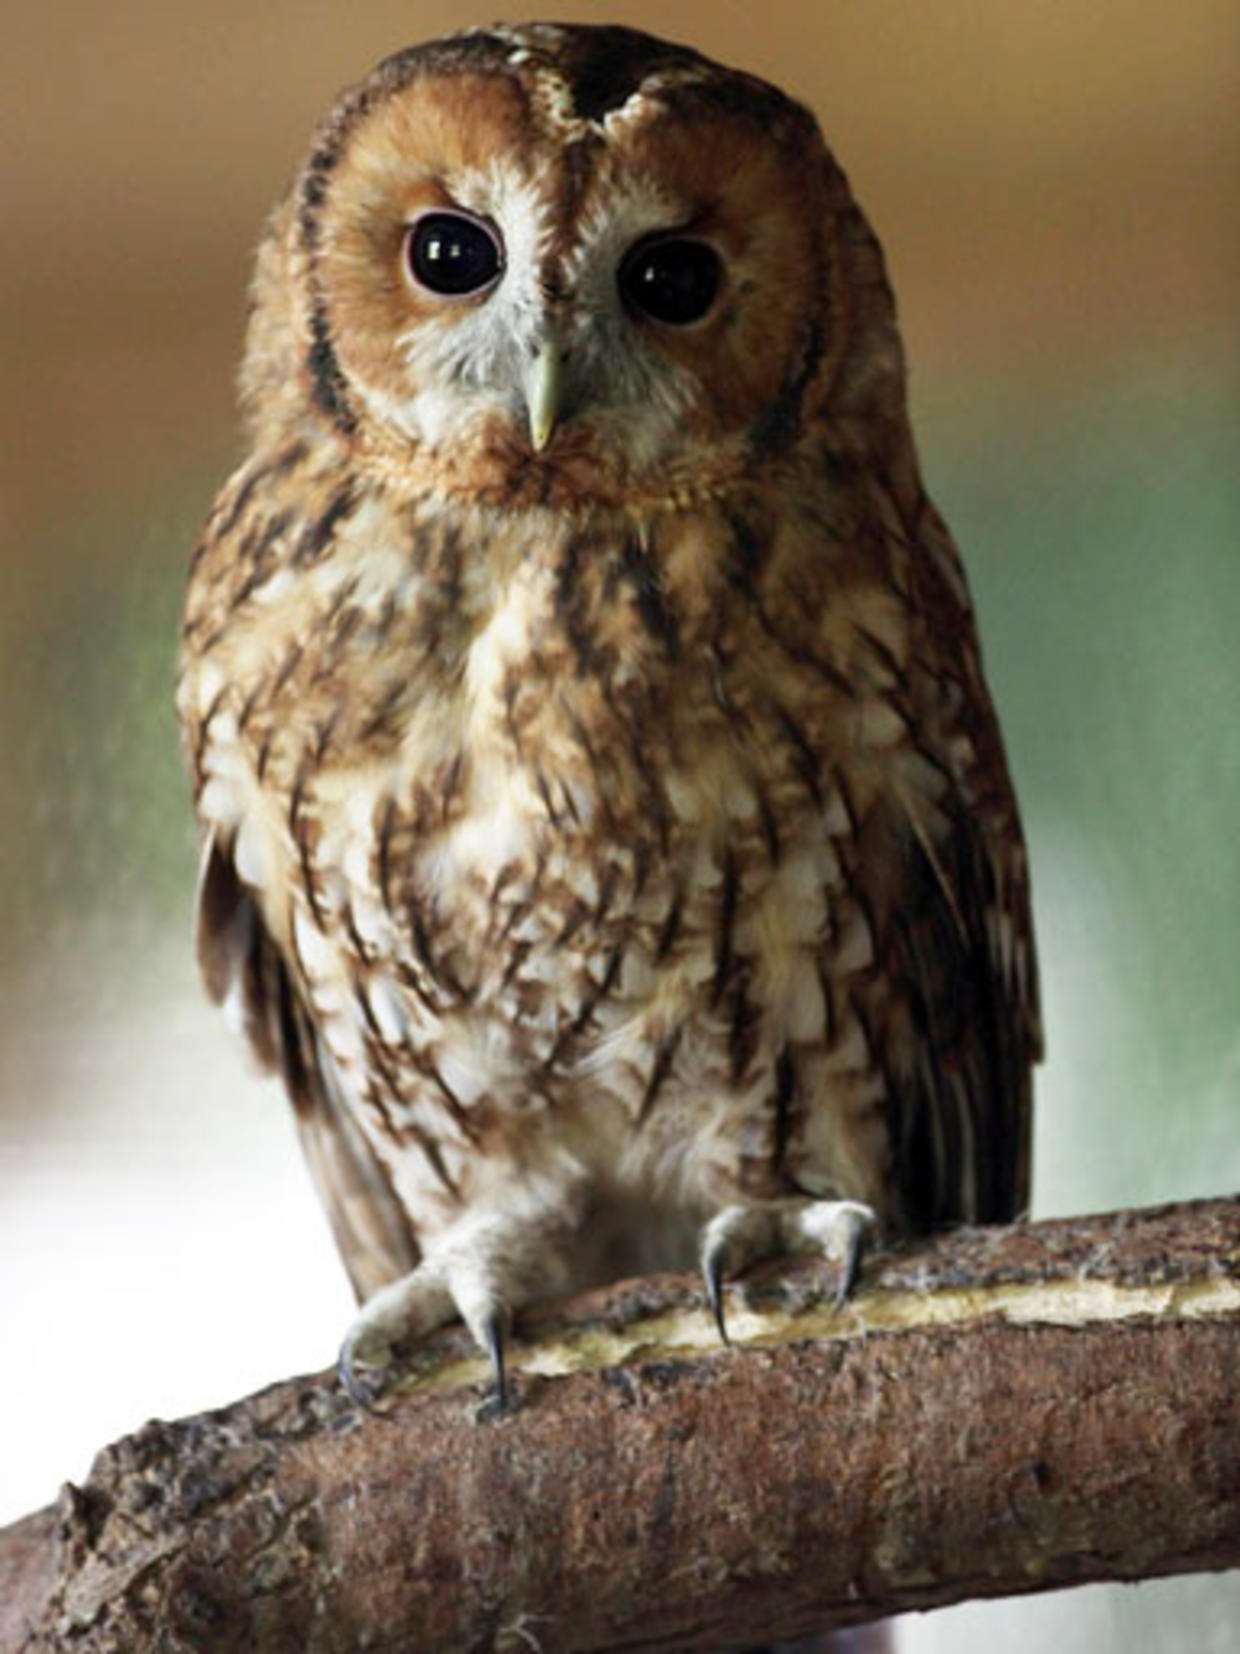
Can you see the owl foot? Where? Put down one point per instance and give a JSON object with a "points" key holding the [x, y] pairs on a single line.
{"points": [[410, 1308], [459, 1281], [743, 1235]]}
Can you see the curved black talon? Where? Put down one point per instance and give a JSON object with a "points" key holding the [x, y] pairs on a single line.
{"points": [[495, 1349], [349, 1381], [712, 1274], [851, 1267]]}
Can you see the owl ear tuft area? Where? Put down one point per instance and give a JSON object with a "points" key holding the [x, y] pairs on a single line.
{"points": [[863, 378]]}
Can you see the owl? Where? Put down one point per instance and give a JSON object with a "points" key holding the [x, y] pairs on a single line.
{"points": [[607, 831]]}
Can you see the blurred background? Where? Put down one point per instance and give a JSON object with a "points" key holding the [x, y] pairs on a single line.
{"points": [[1058, 190]]}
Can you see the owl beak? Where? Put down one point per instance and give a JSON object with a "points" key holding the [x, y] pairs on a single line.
{"points": [[541, 386]]}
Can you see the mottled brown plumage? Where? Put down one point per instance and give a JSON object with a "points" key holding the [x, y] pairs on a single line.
{"points": [[608, 834]]}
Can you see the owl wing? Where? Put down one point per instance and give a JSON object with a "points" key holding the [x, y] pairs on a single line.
{"points": [[242, 964], [957, 1033], [954, 1016]]}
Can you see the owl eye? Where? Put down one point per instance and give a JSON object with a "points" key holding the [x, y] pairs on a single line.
{"points": [[672, 280], [451, 254]]}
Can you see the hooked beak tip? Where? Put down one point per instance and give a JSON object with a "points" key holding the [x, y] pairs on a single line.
{"points": [[542, 392]]}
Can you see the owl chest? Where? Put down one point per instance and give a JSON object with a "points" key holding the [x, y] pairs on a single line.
{"points": [[514, 968], [577, 815], [598, 907], [565, 909]]}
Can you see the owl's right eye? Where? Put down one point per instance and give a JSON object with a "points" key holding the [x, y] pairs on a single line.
{"points": [[451, 254]]}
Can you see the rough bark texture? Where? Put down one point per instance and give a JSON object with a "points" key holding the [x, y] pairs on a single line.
{"points": [[1002, 1411]]}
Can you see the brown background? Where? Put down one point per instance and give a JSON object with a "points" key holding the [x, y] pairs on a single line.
{"points": [[1058, 189], [1071, 168]]}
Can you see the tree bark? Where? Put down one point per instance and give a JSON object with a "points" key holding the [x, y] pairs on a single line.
{"points": [[998, 1411]]}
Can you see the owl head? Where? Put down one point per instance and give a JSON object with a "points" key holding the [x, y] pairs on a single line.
{"points": [[569, 264]]}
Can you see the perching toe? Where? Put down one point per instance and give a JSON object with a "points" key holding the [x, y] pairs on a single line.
{"points": [[742, 1235], [409, 1308]]}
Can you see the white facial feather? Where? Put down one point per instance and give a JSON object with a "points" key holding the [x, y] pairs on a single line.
{"points": [[469, 366]]}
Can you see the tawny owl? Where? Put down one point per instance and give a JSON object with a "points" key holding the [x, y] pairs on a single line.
{"points": [[607, 829]]}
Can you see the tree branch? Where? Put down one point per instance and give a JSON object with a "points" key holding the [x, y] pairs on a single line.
{"points": [[1000, 1411]]}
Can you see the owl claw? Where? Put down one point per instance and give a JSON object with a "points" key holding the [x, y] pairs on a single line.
{"points": [[839, 1229], [364, 1393], [734, 1238], [712, 1274], [857, 1232], [743, 1235], [495, 1349], [347, 1374], [406, 1309]]}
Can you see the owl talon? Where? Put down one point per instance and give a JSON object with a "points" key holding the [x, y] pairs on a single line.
{"points": [[407, 1309], [743, 1235], [858, 1231], [346, 1372], [733, 1239], [495, 1349], [712, 1274], [840, 1230]]}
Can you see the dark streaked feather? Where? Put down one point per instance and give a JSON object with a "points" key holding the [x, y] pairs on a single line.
{"points": [[954, 1022], [951, 1012], [241, 963], [960, 1089]]}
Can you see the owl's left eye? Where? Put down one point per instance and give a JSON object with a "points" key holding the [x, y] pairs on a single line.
{"points": [[671, 279], [452, 254]]}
